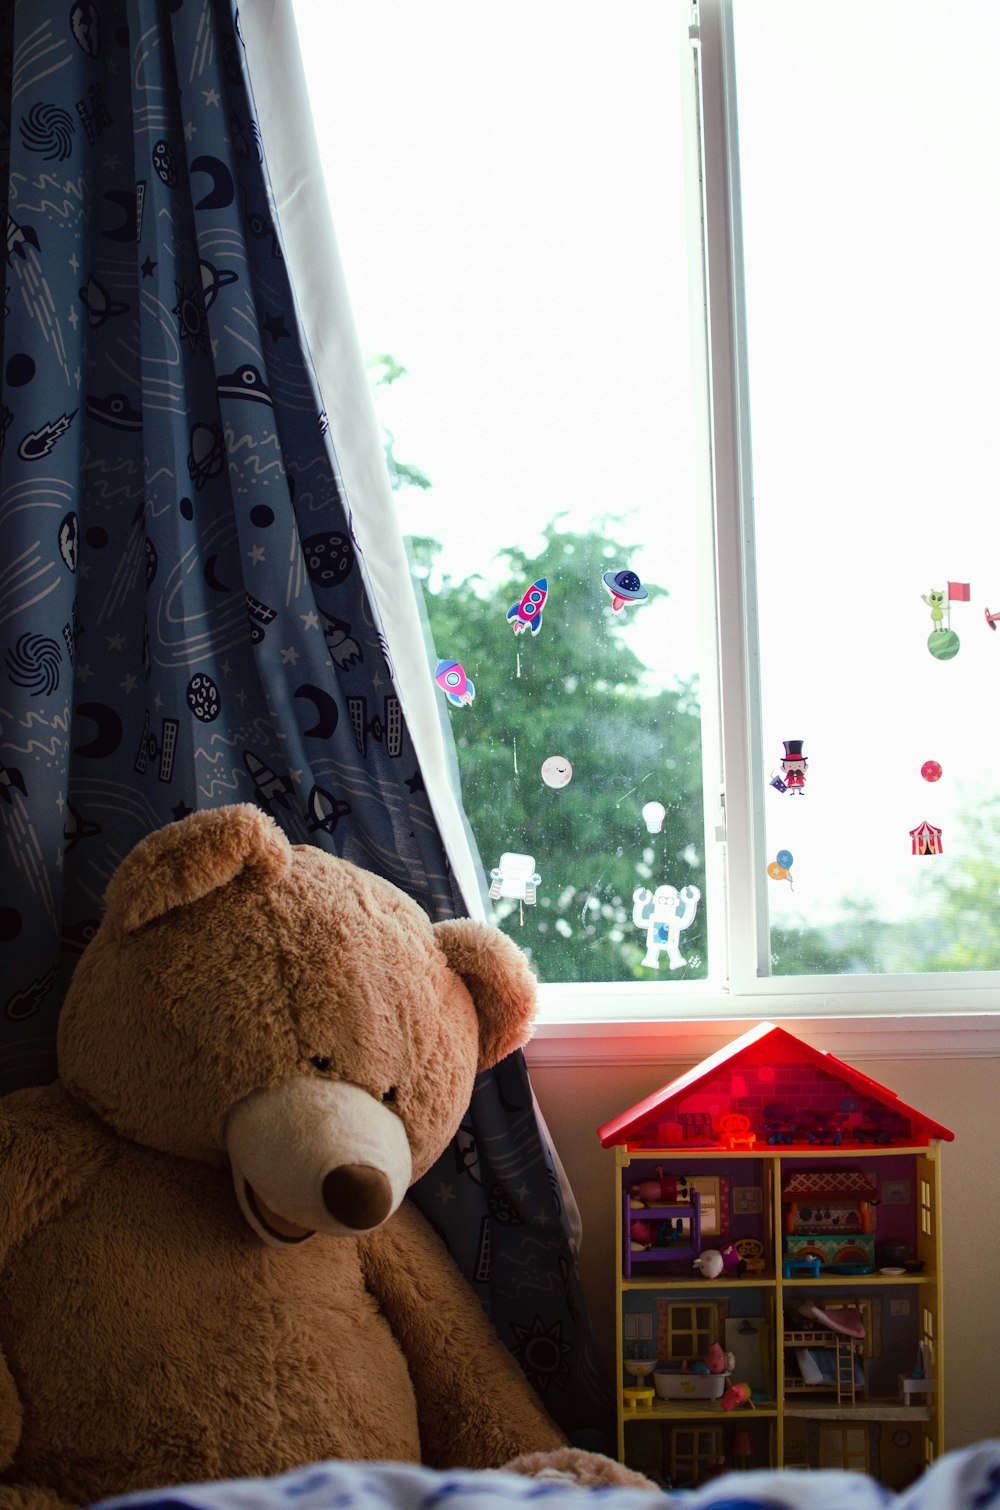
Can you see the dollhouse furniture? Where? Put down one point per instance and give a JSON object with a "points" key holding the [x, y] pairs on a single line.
{"points": [[818, 1170]]}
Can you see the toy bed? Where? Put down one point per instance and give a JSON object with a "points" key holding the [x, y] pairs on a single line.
{"points": [[968, 1479]]}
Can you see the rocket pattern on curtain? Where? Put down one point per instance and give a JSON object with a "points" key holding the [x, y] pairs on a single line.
{"points": [[185, 619]]}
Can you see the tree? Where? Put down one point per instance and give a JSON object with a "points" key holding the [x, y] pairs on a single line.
{"points": [[574, 690]]}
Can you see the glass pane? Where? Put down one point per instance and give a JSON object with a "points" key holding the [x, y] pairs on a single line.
{"points": [[871, 215], [508, 186]]}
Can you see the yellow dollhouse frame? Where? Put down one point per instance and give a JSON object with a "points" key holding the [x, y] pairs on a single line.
{"points": [[804, 1117]]}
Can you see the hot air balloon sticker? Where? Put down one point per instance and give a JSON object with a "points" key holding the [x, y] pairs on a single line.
{"points": [[624, 587], [456, 686], [527, 614]]}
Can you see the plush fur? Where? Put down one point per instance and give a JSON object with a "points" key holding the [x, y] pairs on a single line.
{"points": [[208, 1268]]}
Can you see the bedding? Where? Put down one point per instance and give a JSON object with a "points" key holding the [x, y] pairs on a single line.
{"points": [[966, 1479]]}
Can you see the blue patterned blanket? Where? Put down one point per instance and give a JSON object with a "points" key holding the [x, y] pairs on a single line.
{"points": [[968, 1479]]}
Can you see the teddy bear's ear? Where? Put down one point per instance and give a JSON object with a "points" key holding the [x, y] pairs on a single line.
{"points": [[184, 861], [499, 980]]}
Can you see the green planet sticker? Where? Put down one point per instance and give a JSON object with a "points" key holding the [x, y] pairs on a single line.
{"points": [[943, 644]]}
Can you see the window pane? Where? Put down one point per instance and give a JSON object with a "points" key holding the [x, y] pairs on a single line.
{"points": [[508, 186], [871, 215]]}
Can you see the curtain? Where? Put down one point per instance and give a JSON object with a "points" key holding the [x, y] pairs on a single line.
{"points": [[201, 601]]}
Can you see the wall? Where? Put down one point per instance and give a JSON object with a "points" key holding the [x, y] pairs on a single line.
{"points": [[576, 1099]]}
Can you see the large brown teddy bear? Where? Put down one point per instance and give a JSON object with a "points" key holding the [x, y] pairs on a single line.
{"points": [[207, 1265]]}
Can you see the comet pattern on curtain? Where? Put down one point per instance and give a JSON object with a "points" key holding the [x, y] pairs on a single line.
{"points": [[185, 617]]}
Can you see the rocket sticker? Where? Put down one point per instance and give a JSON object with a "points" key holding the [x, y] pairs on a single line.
{"points": [[528, 613], [456, 686]]}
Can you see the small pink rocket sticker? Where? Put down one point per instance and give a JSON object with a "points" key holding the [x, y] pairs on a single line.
{"points": [[527, 614]]}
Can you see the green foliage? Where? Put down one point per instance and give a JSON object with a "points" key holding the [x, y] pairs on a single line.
{"points": [[385, 371], [576, 690]]}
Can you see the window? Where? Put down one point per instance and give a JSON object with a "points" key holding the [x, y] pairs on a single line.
{"points": [[582, 258]]}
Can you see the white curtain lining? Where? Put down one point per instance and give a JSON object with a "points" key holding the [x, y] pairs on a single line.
{"points": [[325, 317], [324, 312]]}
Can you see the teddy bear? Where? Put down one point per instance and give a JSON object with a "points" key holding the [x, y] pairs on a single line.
{"points": [[208, 1265]]}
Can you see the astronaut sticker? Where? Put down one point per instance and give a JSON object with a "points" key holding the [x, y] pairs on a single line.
{"points": [[664, 913]]}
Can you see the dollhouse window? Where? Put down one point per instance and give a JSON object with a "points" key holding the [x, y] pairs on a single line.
{"points": [[694, 1453], [844, 1446], [925, 1208], [687, 1330], [525, 287]]}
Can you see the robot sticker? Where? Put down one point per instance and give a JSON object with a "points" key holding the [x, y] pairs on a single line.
{"points": [[456, 686], [515, 876], [793, 769], [527, 614], [624, 587], [664, 913]]}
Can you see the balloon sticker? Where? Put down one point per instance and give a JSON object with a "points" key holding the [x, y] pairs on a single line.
{"points": [[931, 770], [456, 686], [942, 642], [925, 839], [664, 913], [780, 868], [527, 614], [557, 772], [624, 587], [793, 769], [515, 876], [653, 815]]}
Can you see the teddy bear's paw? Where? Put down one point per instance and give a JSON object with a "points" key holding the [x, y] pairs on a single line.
{"points": [[24, 1497], [579, 1467]]}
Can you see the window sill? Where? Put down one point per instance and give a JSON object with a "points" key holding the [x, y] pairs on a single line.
{"points": [[631, 1024]]}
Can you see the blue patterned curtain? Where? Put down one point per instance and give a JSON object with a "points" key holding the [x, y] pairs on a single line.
{"points": [[186, 618]]}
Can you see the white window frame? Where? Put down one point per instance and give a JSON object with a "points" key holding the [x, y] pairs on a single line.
{"points": [[920, 1016], [931, 1015]]}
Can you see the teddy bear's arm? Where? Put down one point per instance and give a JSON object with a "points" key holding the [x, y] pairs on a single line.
{"points": [[48, 1152], [474, 1405]]}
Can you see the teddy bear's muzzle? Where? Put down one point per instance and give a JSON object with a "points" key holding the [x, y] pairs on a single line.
{"points": [[315, 1155]]}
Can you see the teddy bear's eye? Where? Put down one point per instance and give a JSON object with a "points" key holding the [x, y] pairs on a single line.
{"points": [[390, 1094], [319, 1062]]}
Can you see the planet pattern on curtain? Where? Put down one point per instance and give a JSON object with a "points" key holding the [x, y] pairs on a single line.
{"points": [[185, 619]]}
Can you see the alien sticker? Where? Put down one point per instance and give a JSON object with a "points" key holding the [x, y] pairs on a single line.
{"points": [[942, 642]]}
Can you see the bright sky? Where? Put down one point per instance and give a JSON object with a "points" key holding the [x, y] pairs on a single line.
{"points": [[507, 184]]}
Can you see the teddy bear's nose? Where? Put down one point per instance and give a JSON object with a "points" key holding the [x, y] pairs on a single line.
{"points": [[357, 1195]]}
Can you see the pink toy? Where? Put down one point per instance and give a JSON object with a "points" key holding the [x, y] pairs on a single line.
{"points": [[665, 1189], [718, 1360], [737, 1394], [641, 1233]]}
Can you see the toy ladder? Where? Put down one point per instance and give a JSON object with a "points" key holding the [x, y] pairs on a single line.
{"points": [[845, 1371]]}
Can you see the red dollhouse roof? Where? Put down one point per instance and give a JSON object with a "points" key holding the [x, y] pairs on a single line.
{"points": [[766, 1046]]}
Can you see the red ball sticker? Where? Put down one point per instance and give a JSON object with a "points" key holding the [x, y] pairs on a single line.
{"points": [[930, 770]]}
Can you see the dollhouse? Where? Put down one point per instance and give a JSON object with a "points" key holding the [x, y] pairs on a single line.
{"points": [[778, 1269]]}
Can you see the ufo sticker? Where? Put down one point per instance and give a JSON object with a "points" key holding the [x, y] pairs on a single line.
{"points": [[624, 587]]}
